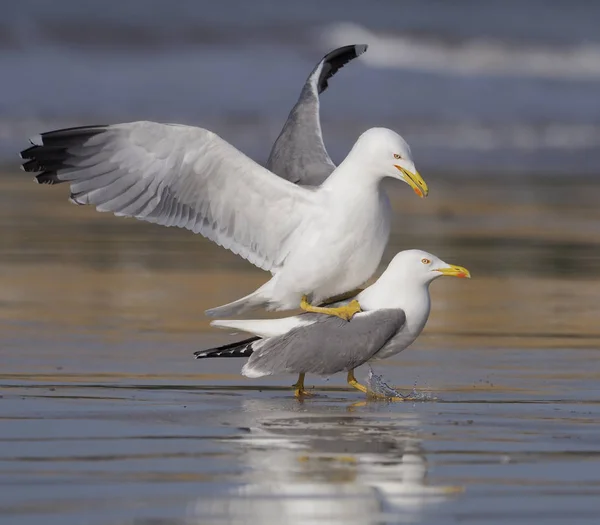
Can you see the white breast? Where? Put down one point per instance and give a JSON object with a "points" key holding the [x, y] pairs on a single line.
{"points": [[340, 256], [411, 297]]}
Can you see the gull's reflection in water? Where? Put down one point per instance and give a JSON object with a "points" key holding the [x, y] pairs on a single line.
{"points": [[317, 465]]}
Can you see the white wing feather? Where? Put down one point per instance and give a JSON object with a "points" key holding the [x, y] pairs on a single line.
{"points": [[265, 327], [189, 177]]}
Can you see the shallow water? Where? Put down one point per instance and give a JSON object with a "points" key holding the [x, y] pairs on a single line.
{"points": [[107, 419]]}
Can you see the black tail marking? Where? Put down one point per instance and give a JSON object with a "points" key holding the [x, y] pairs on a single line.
{"points": [[336, 60], [237, 349]]}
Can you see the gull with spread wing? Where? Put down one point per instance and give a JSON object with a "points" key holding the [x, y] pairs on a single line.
{"points": [[317, 241]]}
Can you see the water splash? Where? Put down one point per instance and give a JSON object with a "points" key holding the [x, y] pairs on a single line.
{"points": [[378, 386]]}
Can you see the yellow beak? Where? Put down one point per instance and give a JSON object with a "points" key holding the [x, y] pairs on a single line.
{"points": [[455, 271], [415, 181]]}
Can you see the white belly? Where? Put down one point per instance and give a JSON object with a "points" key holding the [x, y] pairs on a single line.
{"points": [[337, 257]]}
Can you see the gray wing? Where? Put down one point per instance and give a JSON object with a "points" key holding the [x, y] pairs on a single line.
{"points": [[327, 346], [176, 176], [299, 154]]}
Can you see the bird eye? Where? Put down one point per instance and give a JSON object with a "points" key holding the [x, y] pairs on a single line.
{"points": [[425, 261], [396, 156]]}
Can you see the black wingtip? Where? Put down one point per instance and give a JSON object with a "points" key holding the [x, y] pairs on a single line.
{"points": [[359, 49], [29, 152], [31, 165], [47, 177], [337, 59], [49, 152]]}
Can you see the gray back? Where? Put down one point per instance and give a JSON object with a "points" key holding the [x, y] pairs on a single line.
{"points": [[329, 345]]}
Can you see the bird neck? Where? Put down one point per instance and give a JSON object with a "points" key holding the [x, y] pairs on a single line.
{"points": [[357, 171], [391, 291]]}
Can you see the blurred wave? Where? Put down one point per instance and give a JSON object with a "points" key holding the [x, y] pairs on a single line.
{"points": [[480, 87], [473, 56]]}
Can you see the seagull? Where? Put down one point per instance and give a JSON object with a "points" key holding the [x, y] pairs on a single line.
{"points": [[317, 241], [394, 311]]}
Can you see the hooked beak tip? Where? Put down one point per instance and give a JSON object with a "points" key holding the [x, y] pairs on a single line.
{"points": [[455, 271], [414, 180]]}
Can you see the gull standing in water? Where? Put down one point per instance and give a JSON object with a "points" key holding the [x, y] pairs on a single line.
{"points": [[394, 312], [318, 242]]}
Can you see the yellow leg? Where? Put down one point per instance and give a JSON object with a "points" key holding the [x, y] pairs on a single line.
{"points": [[392, 398], [343, 312], [352, 381], [298, 386]]}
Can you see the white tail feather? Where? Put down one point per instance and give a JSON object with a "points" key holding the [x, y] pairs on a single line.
{"points": [[253, 300], [263, 327]]}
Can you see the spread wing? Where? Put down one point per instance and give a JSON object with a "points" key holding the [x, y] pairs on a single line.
{"points": [[299, 154], [176, 176]]}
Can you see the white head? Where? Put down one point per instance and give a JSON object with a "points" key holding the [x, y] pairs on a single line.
{"points": [[407, 276], [388, 155], [405, 285], [421, 267]]}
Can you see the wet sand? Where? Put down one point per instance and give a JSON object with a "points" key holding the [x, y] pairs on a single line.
{"points": [[106, 418]]}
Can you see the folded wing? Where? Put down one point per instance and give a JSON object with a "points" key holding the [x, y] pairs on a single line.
{"points": [[325, 346], [176, 176]]}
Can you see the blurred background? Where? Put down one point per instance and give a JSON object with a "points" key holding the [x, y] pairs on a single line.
{"points": [[99, 315], [482, 87], [497, 100]]}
